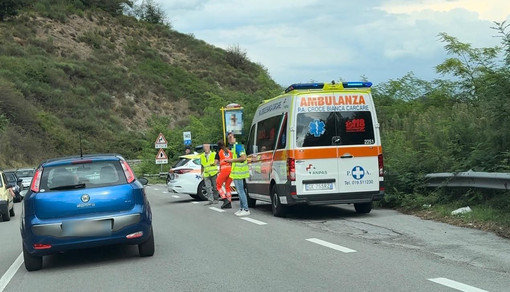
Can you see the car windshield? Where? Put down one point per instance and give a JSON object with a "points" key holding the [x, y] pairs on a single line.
{"points": [[87, 175], [10, 177], [25, 172]]}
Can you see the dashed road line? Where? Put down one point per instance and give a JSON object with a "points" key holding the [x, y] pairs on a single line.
{"points": [[195, 202], [6, 278], [456, 285], [217, 209], [331, 245], [176, 196], [253, 221]]}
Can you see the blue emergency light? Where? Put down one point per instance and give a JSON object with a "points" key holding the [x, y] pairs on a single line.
{"points": [[301, 86]]}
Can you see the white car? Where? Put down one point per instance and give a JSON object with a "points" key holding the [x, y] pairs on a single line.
{"points": [[185, 178], [26, 175]]}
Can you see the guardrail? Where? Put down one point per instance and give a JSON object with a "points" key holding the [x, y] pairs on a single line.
{"points": [[485, 180], [161, 174]]}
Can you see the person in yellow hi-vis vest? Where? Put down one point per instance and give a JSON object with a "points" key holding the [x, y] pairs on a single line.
{"points": [[209, 173], [239, 172]]}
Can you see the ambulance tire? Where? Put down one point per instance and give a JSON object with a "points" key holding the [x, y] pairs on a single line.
{"points": [[278, 209], [201, 192], [195, 197], [363, 208], [251, 202]]}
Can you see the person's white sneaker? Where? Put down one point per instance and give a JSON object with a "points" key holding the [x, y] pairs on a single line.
{"points": [[238, 211], [243, 213]]}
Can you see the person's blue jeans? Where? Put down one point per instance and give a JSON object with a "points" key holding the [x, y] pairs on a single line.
{"points": [[239, 183]]}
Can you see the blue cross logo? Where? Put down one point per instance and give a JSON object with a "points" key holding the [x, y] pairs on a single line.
{"points": [[358, 172], [317, 128]]}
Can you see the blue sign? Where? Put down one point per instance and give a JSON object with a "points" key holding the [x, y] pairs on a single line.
{"points": [[187, 142], [358, 172], [316, 128]]}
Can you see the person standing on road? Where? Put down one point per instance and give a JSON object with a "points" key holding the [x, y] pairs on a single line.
{"points": [[224, 175], [239, 172], [209, 173]]}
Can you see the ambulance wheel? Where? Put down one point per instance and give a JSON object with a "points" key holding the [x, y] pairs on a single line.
{"points": [[363, 208], [202, 192], [251, 202], [278, 209], [195, 197]]}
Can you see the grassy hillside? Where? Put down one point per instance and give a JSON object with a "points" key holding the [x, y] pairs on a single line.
{"points": [[115, 81]]}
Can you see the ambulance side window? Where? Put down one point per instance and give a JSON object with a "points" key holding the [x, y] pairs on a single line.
{"points": [[267, 131], [283, 135], [250, 147]]}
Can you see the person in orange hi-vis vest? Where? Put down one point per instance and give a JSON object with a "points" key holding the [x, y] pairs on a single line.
{"points": [[224, 175]]}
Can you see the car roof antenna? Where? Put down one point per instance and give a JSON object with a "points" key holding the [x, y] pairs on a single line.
{"points": [[81, 149]]}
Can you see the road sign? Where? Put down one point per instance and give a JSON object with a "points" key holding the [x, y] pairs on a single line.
{"points": [[187, 138], [161, 157], [161, 142]]}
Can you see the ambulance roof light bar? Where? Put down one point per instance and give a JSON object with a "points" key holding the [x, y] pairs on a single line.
{"points": [[355, 84]]}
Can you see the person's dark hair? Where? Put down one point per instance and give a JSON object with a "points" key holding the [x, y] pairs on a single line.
{"points": [[221, 144]]}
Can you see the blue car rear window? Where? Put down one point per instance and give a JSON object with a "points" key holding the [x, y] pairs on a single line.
{"points": [[87, 175]]}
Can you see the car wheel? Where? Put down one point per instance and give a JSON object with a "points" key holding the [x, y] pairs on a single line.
{"points": [[363, 208], [278, 209], [194, 197], [11, 212], [201, 192], [6, 216], [146, 248], [251, 202], [32, 262]]}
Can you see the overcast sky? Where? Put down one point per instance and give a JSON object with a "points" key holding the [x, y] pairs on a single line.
{"points": [[305, 40]]}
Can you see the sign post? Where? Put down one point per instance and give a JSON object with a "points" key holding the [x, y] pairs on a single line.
{"points": [[232, 117], [161, 158], [187, 138]]}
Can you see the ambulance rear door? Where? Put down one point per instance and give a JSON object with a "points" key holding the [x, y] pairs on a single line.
{"points": [[335, 145]]}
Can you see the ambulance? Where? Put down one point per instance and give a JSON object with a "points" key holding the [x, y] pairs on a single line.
{"points": [[317, 143]]}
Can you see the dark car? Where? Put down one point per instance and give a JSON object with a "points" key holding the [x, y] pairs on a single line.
{"points": [[13, 179], [81, 202]]}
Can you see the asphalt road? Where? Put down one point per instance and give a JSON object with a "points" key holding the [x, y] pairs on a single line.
{"points": [[325, 248]]}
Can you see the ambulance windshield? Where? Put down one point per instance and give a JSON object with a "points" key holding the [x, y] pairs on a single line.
{"points": [[334, 129]]}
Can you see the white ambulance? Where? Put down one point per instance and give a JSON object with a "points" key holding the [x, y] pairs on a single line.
{"points": [[317, 143]]}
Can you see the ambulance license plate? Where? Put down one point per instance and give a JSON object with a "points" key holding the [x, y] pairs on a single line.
{"points": [[319, 187]]}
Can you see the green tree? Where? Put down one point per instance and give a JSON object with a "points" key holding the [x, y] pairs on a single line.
{"points": [[10, 8], [114, 7], [150, 12]]}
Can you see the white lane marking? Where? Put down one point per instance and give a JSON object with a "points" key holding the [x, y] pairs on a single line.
{"points": [[6, 278], [155, 189], [217, 209], [175, 196], [456, 285], [253, 221], [331, 245], [195, 202], [165, 192]]}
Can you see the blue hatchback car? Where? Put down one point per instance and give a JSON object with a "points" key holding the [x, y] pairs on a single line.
{"points": [[81, 202]]}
